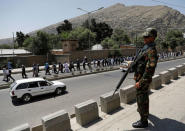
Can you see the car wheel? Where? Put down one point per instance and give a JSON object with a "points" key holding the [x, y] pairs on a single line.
{"points": [[58, 91], [26, 97]]}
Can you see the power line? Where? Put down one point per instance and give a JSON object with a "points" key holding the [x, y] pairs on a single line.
{"points": [[168, 3]]}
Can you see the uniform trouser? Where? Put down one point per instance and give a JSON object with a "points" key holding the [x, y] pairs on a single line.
{"points": [[142, 98]]}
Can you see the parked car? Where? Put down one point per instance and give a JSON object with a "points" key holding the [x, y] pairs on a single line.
{"points": [[25, 89], [125, 65]]}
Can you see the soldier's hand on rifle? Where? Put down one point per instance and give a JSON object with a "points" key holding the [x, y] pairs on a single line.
{"points": [[137, 85]]}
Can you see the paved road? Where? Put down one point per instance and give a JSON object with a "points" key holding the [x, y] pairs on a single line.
{"points": [[79, 89]]}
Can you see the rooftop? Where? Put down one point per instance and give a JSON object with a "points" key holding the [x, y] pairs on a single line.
{"points": [[29, 80], [13, 51]]}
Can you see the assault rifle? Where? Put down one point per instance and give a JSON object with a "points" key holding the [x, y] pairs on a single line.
{"points": [[137, 58]]}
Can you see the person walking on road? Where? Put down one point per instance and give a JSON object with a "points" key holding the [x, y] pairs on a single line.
{"points": [[35, 73], [54, 69], [47, 69], [78, 64], [9, 75], [144, 70], [4, 73], [24, 72], [60, 67]]}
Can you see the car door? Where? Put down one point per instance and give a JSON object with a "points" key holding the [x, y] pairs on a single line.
{"points": [[21, 89], [34, 89], [45, 87]]}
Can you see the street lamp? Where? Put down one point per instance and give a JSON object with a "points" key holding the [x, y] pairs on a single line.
{"points": [[89, 12]]}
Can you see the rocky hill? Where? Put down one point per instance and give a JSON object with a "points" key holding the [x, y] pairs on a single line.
{"points": [[133, 19]]}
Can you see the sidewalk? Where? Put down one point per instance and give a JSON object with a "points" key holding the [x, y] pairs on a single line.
{"points": [[167, 112]]}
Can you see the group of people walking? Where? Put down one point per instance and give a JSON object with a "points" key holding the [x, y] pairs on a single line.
{"points": [[7, 72]]}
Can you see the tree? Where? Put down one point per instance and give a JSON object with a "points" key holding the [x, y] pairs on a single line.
{"points": [[83, 35], [108, 43], [55, 41], [101, 29], [20, 37], [139, 42], [174, 38], [120, 37], [66, 26], [39, 44]]}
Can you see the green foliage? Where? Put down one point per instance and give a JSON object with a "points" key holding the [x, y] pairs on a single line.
{"points": [[108, 43], [67, 26], [39, 44], [5, 46], [120, 37], [55, 41], [174, 38], [101, 29], [161, 44], [139, 42], [65, 35], [84, 36], [20, 37]]}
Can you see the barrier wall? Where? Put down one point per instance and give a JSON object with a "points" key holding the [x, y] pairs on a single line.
{"points": [[165, 77], [86, 112], [173, 73], [58, 121], [127, 94], [180, 70], [109, 102], [156, 82]]}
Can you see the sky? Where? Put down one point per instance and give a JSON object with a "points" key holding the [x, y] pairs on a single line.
{"points": [[30, 15]]}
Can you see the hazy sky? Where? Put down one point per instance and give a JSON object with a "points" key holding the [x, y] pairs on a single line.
{"points": [[29, 15]]}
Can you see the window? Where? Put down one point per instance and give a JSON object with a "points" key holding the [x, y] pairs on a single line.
{"points": [[22, 86], [43, 83], [33, 85]]}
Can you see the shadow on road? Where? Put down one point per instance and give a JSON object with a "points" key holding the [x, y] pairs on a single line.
{"points": [[165, 124], [37, 98]]}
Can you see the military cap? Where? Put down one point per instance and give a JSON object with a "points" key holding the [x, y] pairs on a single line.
{"points": [[150, 32]]}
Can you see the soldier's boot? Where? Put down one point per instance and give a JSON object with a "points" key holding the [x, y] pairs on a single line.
{"points": [[140, 124]]}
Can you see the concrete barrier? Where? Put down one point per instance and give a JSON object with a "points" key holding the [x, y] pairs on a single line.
{"points": [[24, 127], [37, 128], [86, 112], [109, 103], [173, 73], [180, 70], [165, 77], [156, 82], [127, 94], [58, 121], [183, 67]]}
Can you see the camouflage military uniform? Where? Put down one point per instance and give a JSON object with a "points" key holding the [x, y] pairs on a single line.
{"points": [[144, 71]]}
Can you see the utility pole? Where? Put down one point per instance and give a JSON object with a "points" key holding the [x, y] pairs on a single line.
{"points": [[13, 43], [88, 13]]}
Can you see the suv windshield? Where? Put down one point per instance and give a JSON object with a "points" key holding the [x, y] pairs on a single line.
{"points": [[12, 85]]}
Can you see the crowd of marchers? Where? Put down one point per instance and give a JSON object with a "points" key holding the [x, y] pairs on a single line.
{"points": [[78, 65]]}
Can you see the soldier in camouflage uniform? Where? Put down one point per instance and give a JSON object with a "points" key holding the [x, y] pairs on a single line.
{"points": [[144, 71]]}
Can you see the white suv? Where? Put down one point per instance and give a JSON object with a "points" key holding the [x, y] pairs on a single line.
{"points": [[27, 88]]}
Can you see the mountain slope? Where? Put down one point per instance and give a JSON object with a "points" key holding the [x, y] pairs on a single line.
{"points": [[131, 18]]}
